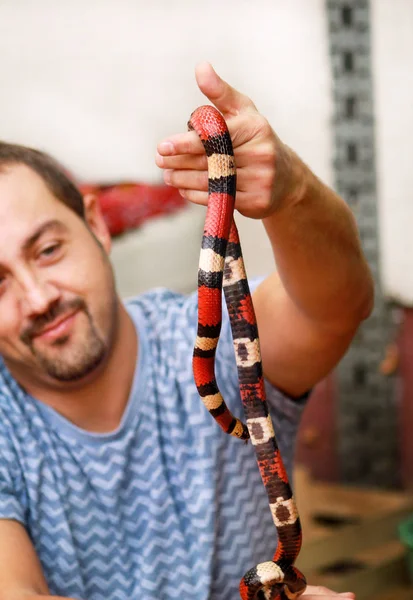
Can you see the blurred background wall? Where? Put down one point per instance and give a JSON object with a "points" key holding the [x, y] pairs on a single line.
{"points": [[99, 83]]}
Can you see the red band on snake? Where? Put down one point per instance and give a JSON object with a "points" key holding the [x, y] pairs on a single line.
{"points": [[221, 267]]}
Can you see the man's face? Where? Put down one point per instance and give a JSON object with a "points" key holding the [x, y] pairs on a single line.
{"points": [[58, 307]]}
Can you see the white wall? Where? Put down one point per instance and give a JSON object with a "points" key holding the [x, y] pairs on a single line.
{"points": [[393, 84], [99, 82]]}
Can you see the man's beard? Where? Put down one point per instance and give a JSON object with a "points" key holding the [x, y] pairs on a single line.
{"points": [[73, 363]]}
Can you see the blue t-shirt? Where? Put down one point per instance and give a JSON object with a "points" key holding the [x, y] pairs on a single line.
{"points": [[167, 506]]}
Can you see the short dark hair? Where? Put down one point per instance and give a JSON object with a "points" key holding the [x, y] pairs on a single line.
{"points": [[52, 173]]}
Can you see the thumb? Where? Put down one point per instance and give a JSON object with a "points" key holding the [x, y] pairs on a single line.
{"points": [[227, 99]]}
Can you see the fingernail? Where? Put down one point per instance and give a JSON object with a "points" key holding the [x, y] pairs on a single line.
{"points": [[159, 160], [182, 192], [166, 148]]}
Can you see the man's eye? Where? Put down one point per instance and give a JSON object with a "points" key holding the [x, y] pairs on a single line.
{"points": [[49, 250]]}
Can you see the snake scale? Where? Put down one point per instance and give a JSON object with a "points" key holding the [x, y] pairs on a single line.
{"points": [[221, 267]]}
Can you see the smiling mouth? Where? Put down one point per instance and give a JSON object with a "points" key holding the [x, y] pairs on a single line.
{"points": [[57, 328]]}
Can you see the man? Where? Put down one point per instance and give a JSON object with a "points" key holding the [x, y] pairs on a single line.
{"points": [[115, 482]]}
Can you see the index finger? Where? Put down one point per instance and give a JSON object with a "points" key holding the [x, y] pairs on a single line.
{"points": [[181, 143]]}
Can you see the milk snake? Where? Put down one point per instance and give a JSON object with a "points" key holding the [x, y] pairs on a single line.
{"points": [[221, 267]]}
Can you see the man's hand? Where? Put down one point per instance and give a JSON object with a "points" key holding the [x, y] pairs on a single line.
{"points": [[262, 159], [308, 309]]}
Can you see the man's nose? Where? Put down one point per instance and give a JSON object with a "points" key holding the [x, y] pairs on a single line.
{"points": [[37, 295]]}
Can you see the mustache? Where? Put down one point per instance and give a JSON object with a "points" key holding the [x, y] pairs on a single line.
{"points": [[38, 324]]}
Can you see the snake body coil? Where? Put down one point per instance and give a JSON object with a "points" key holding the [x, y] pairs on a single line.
{"points": [[221, 267]]}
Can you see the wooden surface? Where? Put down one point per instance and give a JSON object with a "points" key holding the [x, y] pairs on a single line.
{"points": [[350, 537], [342, 502], [396, 593]]}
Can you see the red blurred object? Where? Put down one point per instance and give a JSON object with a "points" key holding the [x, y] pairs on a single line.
{"points": [[126, 206]]}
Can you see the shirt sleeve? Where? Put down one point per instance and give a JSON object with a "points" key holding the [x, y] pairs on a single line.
{"points": [[11, 505]]}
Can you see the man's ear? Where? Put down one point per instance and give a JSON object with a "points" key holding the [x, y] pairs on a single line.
{"points": [[95, 221]]}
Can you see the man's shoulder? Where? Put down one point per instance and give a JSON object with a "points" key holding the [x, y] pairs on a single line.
{"points": [[7, 385], [163, 305], [12, 414], [157, 295]]}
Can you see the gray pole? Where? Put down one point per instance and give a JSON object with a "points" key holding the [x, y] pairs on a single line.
{"points": [[366, 411]]}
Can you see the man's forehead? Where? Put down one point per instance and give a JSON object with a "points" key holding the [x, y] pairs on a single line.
{"points": [[26, 204], [20, 175], [24, 190]]}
